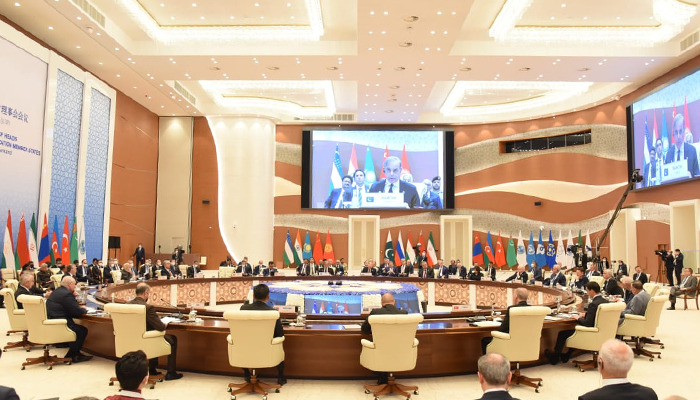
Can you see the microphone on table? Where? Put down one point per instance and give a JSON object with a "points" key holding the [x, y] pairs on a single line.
{"points": [[179, 313]]}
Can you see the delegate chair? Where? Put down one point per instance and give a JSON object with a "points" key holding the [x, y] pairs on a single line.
{"points": [[226, 272], [44, 331], [523, 341], [393, 348], [130, 334], [17, 319], [7, 274], [251, 345], [116, 276], [644, 326], [56, 279], [692, 295], [591, 338], [183, 269], [12, 284], [597, 279], [651, 288]]}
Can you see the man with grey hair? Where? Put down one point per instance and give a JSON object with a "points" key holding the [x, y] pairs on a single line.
{"points": [[494, 376], [614, 362], [392, 183], [26, 286], [519, 300]]}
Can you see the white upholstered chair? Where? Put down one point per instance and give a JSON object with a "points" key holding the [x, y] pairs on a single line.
{"points": [[12, 284], [597, 279], [130, 334], [56, 279], [651, 288], [8, 273], [251, 345], [393, 348], [44, 331], [523, 341], [183, 269], [644, 326], [116, 275], [591, 338], [18, 323]]}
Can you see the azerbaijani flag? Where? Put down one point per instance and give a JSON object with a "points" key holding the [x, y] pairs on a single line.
{"points": [[55, 250]]}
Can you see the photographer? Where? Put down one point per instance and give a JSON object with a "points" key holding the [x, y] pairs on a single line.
{"points": [[668, 262]]}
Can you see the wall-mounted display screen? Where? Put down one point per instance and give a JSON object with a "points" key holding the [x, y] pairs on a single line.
{"points": [[378, 169], [664, 132]]}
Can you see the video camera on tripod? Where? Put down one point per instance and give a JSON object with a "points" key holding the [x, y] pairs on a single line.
{"points": [[661, 253]]}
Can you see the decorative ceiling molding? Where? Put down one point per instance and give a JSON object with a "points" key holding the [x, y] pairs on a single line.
{"points": [[673, 16], [559, 191]]}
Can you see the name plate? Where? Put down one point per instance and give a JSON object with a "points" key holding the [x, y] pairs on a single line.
{"points": [[199, 275], [162, 278], [674, 170], [285, 309], [119, 282], [365, 274], [460, 307], [367, 310], [383, 200], [324, 274], [413, 275], [237, 274]]}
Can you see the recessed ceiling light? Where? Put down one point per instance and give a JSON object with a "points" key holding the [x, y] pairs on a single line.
{"points": [[232, 17], [551, 18], [563, 5], [77, 47], [292, 17], [172, 18], [454, 12], [439, 13], [289, 4], [162, 4], [119, 76], [116, 49], [202, 17], [432, 32], [162, 106], [79, 18], [98, 34], [383, 32], [405, 44], [194, 4], [585, 17], [386, 12], [257, 4], [99, 63], [262, 17], [371, 13], [134, 87], [50, 28], [17, 4]]}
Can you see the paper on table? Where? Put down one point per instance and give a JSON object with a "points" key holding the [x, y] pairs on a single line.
{"points": [[167, 320], [352, 326], [487, 323]]}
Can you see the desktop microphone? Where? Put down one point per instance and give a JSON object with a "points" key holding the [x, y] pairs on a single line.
{"points": [[179, 313]]}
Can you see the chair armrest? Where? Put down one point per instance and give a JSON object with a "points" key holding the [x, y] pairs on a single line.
{"points": [[228, 339], [18, 312], [278, 340], [153, 334], [56, 322], [370, 345], [415, 342], [500, 335], [635, 317], [586, 328]]}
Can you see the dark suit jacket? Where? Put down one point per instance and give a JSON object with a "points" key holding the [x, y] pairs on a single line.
{"points": [[505, 325], [62, 304], [33, 291], [642, 277], [560, 280], [332, 199], [8, 393], [260, 306], [475, 276], [191, 271], [430, 273], [589, 319], [304, 269], [385, 310], [678, 261], [499, 395], [82, 275], [580, 284], [522, 277], [622, 391], [152, 320], [690, 156], [140, 254], [443, 272], [463, 272], [611, 287], [410, 194], [409, 269], [107, 274]]}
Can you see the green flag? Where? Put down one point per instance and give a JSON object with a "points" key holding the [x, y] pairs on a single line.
{"points": [[74, 242], [288, 252], [580, 241], [511, 254]]}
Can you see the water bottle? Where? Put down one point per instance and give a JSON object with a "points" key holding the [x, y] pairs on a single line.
{"points": [[493, 309], [193, 314]]}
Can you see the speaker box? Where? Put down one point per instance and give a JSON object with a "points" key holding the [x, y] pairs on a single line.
{"points": [[538, 203], [114, 242]]}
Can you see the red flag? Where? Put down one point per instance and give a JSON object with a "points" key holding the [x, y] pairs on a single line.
{"points": [[352, 166], [328, 249], [685, 115], [22, 248], [323, 309], [421, 243], [65, 243], [386, 154], [477, 255], [346, 307], [318, 248], [500, 254], [404, 162]]}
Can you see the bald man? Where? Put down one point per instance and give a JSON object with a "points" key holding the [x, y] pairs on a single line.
{"points": [[388, 307]]}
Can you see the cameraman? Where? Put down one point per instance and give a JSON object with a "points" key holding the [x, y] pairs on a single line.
{"points": [[668, 262], [677, 264]]}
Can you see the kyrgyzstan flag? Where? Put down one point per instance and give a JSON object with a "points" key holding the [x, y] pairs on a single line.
{"points": [[22, 248], [500, 254], [65, 243], [328, 249], [318, 248]]}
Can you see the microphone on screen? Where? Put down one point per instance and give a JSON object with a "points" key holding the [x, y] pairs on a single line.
{"points": [[179, 313]]}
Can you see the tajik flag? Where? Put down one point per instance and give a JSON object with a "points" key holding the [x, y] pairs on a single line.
{"points": [[389, 247], [352, 166], [288, 252], [400, 254], [8, 254], [82, 251], [297, 249], [410, 251], [520, 248], [561, 251], [432, 255]]}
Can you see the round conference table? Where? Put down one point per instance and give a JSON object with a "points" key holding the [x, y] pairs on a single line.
{"points": [[329, 345]]}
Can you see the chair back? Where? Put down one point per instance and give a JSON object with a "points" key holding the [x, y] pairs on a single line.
{"points": [[653, 314], [694, 293], [14, 314], [55, 270], [226, 272], [56, 279], [651, 288], [39, 331], [183, 269], [129, 321], [395, 344], [251, 343], [597, 279], [12, 284], [523, 343], [116, 276], [7, 273]]}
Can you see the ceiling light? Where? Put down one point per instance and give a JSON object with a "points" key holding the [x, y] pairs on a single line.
{"points": [[411, 18], [98, 34], [331, 68], [454, 12], [232, 17], [116, 49], [50, 28], [439, 13], [257, 4], [17, 4], [371, 13], [77, 47], [119, 76], [99, 63], [162, 4], [289, 4], [444, 33], [194, 4], [524, 69], [386, 12], [202, 17], [383, 32], [273, 68], [432, 32], [394, 87], [172, 18], [563, 5], [465, 69], [405, 44]]}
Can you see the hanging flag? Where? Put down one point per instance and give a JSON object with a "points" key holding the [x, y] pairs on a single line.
{"points": [[389, 247], [399, 254], [318, 248], [65, 243], [307, 253], [664, 132], [488, 250], [512, 254], [74, 240], [8, 254], [22, 250], [33, 252], [323, 309], [477, 254], [541, 257], [686, 116], [328, 253], [336, 172], [352, 166], [370, 174], [589, 249], [314, 310], [551, 251], [500, 254], [530, 257], [561, 251], [82, 251], [580, 241], [386, 155], [569, 254], [288, 252], [647, 144], [421, 243], [410, 251], [44, 245], [405, 169], [55, 250], [521, 252], [432, 256], [297, 250]]}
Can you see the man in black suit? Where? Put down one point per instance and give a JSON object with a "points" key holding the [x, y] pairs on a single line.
{"points": [[388, 307], [303, 269], [95, 271], [519, 300], [194, 269], [148, 270], [587, 319], [614, 362], [175, 270], [312, 267], [639, 275], [26, 286], [8, 393], [165, 270], [610, 285], [392, 183], [518, 276], [592, 271], [83, 273], [557, 278], [678, 264], [687, 285], [140, 254], [63, 305], [261, 295], [70, 270], [442, 270], [153, 322], [405, 269], [369, 267], [490, 272], [681, 150], [425, 272], [340, 195], [494, 377], [581, 280], [622, 270], [107, 272]]}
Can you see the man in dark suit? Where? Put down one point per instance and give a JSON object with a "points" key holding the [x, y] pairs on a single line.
{"points": [[677, 264], [639, 275], [338, 268], [140, 254], [313, 267], [132, 373], [681, 150], [261, 295], [425, 272], [83, 273], [148, 270], [581, 280], [592, 271], [392, 183], [8, 393], [587, 319], [194, 269], [557, 278], [340, 195], [175, 270], [95, 271], [165, 270], [405, 269], [610, 285], [303, 269], [70, 270], [360, 188], [369, 267], [494, 377], [442, 271], [26, 286], [63, 305], [388, 307], [687, 285], [518, 276], [519, 300], [603, 264], [154, 323], [490, 272], [614, 362], [622, 270], [107, 272]]}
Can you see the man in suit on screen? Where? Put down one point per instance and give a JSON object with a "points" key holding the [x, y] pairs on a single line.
{"points": [[681, 150], [340, 195], [392, 183]]}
